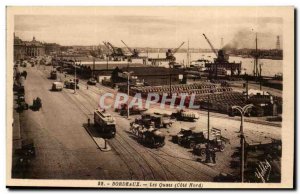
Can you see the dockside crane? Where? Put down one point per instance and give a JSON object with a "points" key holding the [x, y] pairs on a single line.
{"points": [[170, 53], [169, 56], [220, 57], [117, 53], [112, 48], [175, 50], [134, 52], [211, 46], [108, 48]]}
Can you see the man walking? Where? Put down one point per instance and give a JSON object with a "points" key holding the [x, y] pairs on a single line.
{"points": [[207, 154], [213, 156]]}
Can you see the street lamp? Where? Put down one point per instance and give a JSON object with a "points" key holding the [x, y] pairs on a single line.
{"points": [[75, 80], [128, 76], [170, 77], [207, 160], [242, 111]]}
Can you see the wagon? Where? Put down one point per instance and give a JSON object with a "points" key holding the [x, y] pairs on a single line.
{"points": [[150, 137], [25, 154], [71, 84], [37, 104], [92, 81], [57, 86], [216, 142], [159, 121], [53, 75], [188, 137], [134, 110], [185, 115], [22, 105]]}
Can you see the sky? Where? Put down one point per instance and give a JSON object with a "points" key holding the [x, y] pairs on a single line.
{"points": [[153, 27]]}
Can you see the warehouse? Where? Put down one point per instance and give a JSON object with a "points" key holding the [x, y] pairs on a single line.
{"points": [[89, 67], [153, 76]]}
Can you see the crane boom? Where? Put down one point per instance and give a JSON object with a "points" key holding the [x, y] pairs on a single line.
{"points": [[108, 48], [211, 46], [106, 45], [127, 47], [175, 50], [113, 48]]}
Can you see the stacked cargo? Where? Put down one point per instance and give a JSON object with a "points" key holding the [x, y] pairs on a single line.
{"points": [[175, 89], [221, 102], [222, 98]]}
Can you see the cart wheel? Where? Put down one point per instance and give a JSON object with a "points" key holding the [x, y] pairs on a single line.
{"points": [[152, 141], [192, 144], [173, 140], [202, 152], [222, 148], [112, 134], [179, 141], [133, 130]]}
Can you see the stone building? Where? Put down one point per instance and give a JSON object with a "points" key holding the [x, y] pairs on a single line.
{"points": [[34, 48], [19, 49], [24, 49]]}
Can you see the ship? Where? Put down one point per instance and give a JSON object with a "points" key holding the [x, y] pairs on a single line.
{"points": [[223, 66]]}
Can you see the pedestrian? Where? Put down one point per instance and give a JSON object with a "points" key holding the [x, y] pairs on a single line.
{"points": [[18, 75], [24, 74], [207, 154], [87, 87], [213, 156]]}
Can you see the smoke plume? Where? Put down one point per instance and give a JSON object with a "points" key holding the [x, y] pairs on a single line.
{"points": [[246, 39]]}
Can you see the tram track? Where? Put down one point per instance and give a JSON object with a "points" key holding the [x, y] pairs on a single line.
{"points": [[165, 161], [117, 143], [86, 112], [213, 115]]}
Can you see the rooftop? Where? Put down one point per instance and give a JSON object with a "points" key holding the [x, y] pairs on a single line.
{"points": [[34, 42], [148, 70]]}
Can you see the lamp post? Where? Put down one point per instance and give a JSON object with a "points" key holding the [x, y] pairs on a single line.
{"points": [[107, 62], [208, 154], [128, 79], [75, 82], [242, 111], [93, 76], [170, 81]]}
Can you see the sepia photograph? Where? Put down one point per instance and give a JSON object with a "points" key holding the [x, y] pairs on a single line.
{"points": [[150, 97]]}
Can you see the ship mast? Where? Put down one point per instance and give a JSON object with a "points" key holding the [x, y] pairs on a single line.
{"points": [[188, 54], [256, 71]]}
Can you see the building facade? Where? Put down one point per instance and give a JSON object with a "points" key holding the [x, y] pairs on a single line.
{"points": [[34, 48], [19, 49], [51, 48], [24, 49], [152, 76]]}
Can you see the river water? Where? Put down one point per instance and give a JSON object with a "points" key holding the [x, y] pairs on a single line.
{"points": [[269, 67]]}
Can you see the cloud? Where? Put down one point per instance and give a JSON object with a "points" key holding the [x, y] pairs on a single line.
{"points": [[142, 30], [25, 23], [132, 19]]}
